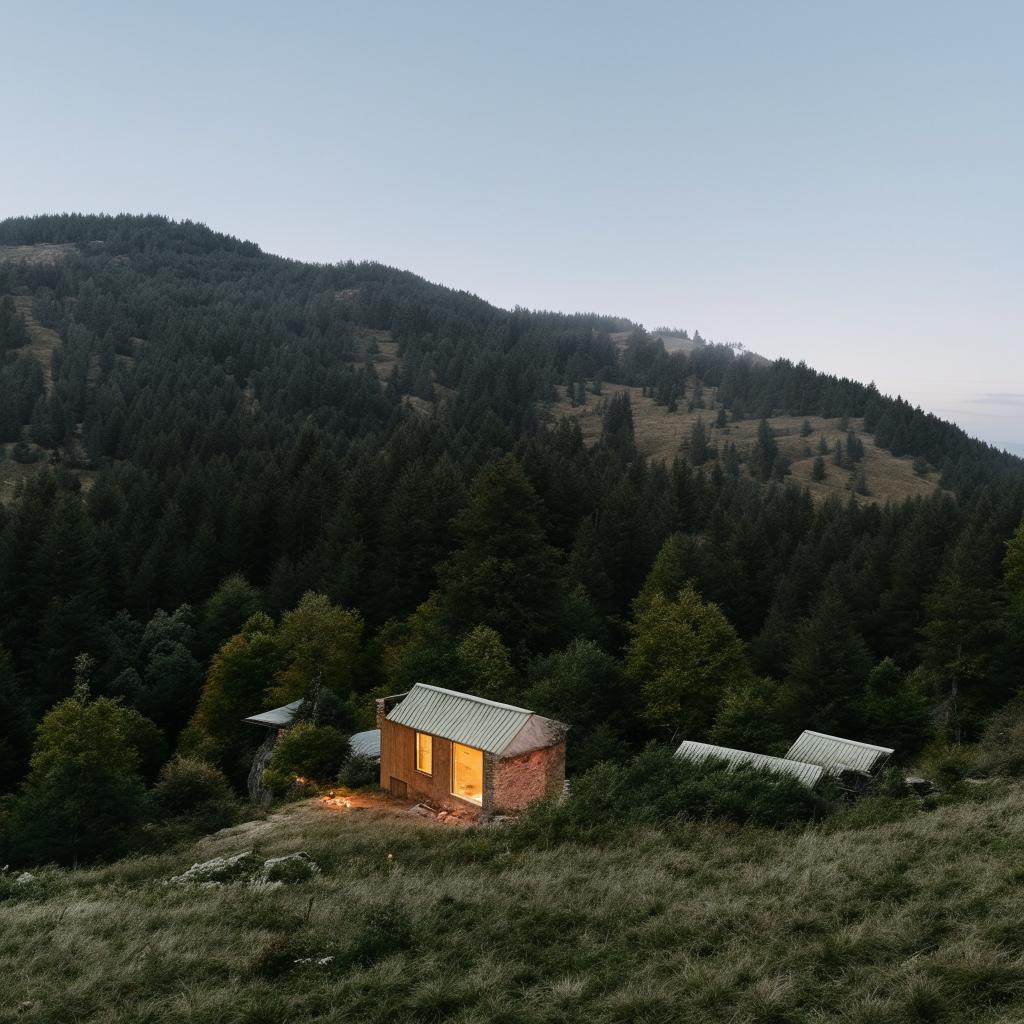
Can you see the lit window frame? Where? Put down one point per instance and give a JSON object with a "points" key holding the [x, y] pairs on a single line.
{"points": [[476, 801], [419, 750]]}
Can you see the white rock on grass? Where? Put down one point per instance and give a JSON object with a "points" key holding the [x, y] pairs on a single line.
{"points": [[221, 869], [246, 866], [293, 867]]}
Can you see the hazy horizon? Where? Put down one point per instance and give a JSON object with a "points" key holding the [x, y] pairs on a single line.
{"points": [[839, 186]]}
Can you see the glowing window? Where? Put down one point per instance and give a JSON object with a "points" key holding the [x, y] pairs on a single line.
{"points": [[468, 773], [425, 753]]}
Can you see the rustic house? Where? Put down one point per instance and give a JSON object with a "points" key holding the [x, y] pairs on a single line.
{"points": [[459, 751]]}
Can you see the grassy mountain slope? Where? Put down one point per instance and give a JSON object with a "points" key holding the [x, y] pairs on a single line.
{"points": [[662, 435], [914, 919]]}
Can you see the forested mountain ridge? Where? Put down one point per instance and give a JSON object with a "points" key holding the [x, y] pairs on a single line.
{"points": [[201, 411]]}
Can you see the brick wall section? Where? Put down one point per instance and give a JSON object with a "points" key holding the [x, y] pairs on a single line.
{"points": [[518, 781]]}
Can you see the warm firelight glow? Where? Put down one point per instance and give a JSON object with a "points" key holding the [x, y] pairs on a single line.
{"points": [[332, 800]]}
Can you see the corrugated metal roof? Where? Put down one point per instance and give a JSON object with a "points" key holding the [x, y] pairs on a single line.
{"points": [[460, 717], [809, 774], [834, 753], [276, 717], [366, 744]]}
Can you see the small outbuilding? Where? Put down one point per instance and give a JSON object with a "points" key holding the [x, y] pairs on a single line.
{"points": [[362, 744], [459, 751], [837, 755], [365, 744], [276, 718], [808, 774], [275, 721], [813, 757], [853, 764]]}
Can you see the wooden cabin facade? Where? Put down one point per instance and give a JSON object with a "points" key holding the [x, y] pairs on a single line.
{"points": [[462, 752]]}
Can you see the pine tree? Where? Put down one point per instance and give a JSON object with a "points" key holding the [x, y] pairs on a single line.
{"points": [[230, 606], [617, 427], [16, 735], [828, 669], [765, 452], [698, 450], [505, 574]]}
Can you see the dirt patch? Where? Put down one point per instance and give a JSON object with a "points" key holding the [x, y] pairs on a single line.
{"points": [[340, 807]]}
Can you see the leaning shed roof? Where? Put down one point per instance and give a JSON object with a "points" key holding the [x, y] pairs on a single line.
{"points": [[276, 717], [474, 721], [809, 774], [835, 754]]}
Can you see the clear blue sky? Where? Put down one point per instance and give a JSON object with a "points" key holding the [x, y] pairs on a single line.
{"points": [[840, 183]]}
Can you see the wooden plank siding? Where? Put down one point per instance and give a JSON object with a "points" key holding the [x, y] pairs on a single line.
{"points": [[398, 762]]}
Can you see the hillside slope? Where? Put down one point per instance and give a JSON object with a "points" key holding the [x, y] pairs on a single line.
{"points": [[663, 434], [180, 410], [914, 920]]}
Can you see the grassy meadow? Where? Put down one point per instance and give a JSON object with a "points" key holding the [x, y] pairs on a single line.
{"points": [[662, 436], [887, 913]]}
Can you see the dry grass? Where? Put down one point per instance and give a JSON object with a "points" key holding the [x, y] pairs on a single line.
{"points": [[662, 435], [12, 473], [42, 340], [387, 349], [915, 920], [43, 252]]}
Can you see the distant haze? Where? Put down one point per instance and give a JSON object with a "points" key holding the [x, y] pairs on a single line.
{"points": [[833, 183]]}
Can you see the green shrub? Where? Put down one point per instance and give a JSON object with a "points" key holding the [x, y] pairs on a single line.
{"points": [[25, 453], [946, 764], [188, 783], [656, 787], [358, 771], [306, 751], [1001, 748], [191, 798]]}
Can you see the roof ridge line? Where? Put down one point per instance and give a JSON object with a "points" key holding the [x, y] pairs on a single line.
{"points": [[474, 697], [843, 739]]}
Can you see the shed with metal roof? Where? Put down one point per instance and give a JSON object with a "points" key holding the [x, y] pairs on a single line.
{"points": [[837, 755], [277, 718], [808, 774], [459, 750], [366, 744]]}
